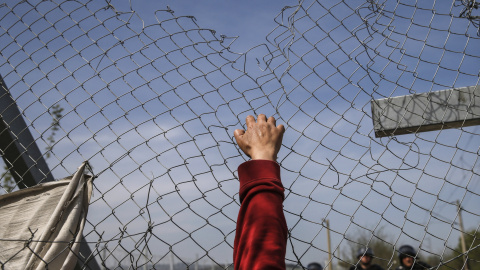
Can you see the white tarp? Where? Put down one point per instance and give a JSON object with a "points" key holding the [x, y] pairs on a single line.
{"points": [[43, 224]]}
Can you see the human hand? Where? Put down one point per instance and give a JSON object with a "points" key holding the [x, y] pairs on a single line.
{"points": [[263, 138]]}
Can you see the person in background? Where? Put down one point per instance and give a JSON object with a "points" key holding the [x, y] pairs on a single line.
{"points": [[261, 231], [365, 258], [409, 260], [314, 266]]}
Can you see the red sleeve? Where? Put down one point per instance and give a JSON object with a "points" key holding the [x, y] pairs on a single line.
{"points": [[261, 235]]}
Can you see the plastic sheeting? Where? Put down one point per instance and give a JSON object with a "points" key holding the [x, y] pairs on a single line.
{"points": [[41, 227]]}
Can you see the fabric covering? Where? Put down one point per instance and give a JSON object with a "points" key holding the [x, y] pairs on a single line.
{"points": [[41, 226]]}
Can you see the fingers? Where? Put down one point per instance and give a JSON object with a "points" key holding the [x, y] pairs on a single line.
{"points": [[250, 121], [261, 118], [272, 121]]}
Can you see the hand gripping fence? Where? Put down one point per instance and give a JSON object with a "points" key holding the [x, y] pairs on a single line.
{"points": [[150, 99]]}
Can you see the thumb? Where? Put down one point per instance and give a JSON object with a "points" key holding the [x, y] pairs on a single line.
{"points": [[238, 133]]}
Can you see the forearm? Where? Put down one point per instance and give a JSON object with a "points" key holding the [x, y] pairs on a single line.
{"points": [[261, 235]]}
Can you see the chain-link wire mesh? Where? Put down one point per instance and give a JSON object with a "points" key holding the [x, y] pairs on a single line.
{"points": [[152, 106]]}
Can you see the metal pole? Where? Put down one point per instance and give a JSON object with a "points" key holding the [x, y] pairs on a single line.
{"points": [[104, 259], [145, 254], [196, 261], [329, 245], [462, 236], [171, 261], [17, 146]]}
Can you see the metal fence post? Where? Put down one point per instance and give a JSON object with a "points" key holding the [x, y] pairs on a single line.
{"points": [[17, 146]]}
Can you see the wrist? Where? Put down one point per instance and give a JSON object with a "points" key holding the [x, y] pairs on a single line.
{"points": [[264, 156]]}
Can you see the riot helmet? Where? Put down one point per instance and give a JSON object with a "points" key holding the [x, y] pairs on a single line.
{"points": [[405, 251], [314, 266], [364, 251]]}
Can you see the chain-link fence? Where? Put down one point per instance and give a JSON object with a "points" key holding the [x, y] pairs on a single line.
{"points": [[152, 106]]}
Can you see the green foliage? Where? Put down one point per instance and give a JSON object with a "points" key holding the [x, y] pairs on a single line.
{"points": [[8, 183], [472, 242], [387, 257], [56, 111]]}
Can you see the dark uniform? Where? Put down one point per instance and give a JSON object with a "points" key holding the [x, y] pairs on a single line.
{"points": [[371, 267], [409, 251], [416, 266]]}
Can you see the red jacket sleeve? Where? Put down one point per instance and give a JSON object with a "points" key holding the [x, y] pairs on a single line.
{"points": [[261, 235]]}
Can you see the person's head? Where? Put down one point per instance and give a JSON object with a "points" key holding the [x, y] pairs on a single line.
{"points": [[314, 266], [365, 255], [406, 255]]}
